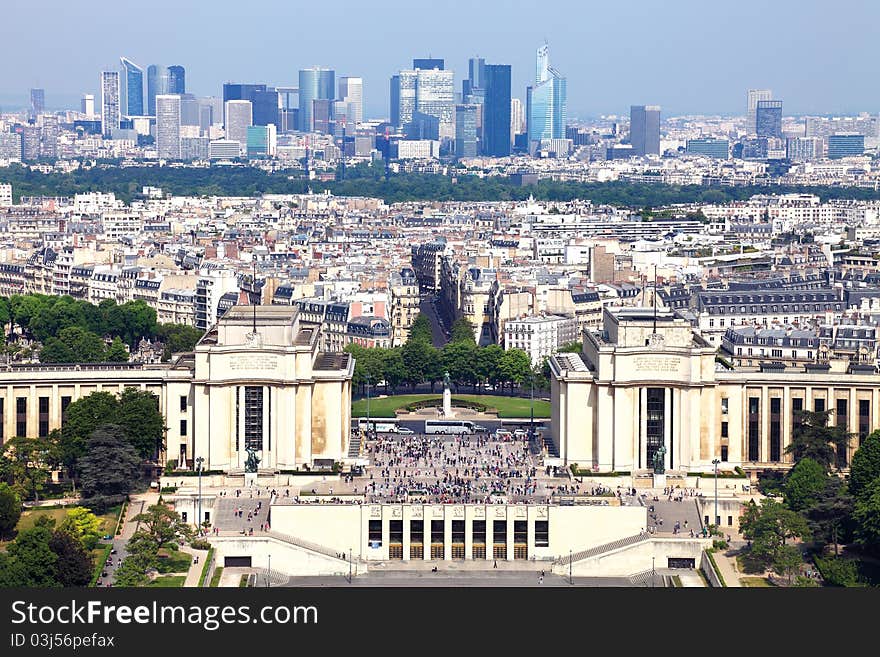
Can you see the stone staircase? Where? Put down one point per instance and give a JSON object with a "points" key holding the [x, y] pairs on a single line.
{"points": [[550, 446], [306, 545], [602, 549], [275, 578], [354, 446]]}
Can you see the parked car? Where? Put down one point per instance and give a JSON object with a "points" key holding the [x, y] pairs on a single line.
{"points": [[405, 431], [520, 433], [503, 434]]}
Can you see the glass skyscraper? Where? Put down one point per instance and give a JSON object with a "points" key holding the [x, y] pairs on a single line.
{"points": [[546, 101], [848, 145], [466, 130], [109, 102], [157, 85], [132, 88], [38, 102], [176, 80], [496, 110], [315, 83], [768, 118]]}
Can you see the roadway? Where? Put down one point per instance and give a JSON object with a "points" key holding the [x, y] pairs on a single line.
{"points": [[439, 330]]}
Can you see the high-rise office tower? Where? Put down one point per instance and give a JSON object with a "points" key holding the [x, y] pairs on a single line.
{"points": [[755, 95], [472, 88], [768, 118], [403, 97], [168, 121], [322, 115], [30, 143], [435, 96], [109, 102], [315, 83], [466, 130], [132, 90], [87, 105], [351, 94], [190, 112], [176, 80], [267, 105], [49, 143], [517, 118], [239, 116], [496, 110], [157, 83], [261, 141], [38, 102], [235, 91], [644, 129], [428, 63], [845, 145], [546, 101]]}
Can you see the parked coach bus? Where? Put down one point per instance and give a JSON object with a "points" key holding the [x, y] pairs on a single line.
{"points": [[382, 426], [450, 426]]}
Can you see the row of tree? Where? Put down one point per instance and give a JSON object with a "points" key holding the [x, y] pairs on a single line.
{"points": [[76, 331], [819, 506], [370, 180], [418, 361]]}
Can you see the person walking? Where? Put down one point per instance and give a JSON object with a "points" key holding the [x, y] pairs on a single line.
{"points": [[495, 565]]}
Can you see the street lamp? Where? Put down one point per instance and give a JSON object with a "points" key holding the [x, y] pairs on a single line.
{"points": [[368, 403], [653, 572], [715, 462], [269, 575], [349, 565], [570, 582], [199, 461]]}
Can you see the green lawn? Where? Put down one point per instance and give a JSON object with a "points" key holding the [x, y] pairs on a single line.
{"points": [[167, 582], [755, 582], [29, 517], [215, 578], [175, 562], [507, 407]]}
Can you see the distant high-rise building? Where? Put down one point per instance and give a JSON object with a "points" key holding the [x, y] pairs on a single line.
{"points": [[157, 83], [546, 104], [261, 141], [132, 90], [235, 91], [38, 102], [755, 95], [190, 110], [109, 102], [239, 116], [168, 121], [496, 110], [49, 142], [351, 94], [768, 118], [466, 130], [710, 147], [428, 63], [403, 97], [315, 83], [472, 88], [176, 80], [87, 104], [803, 149], [10, 146], [267, 104], [435, 96], [322, 115], [422, 126], [517, 118], [644, 129], [30, 143], [845, 146]]}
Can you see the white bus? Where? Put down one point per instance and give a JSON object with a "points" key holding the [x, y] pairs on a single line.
{"points": [[449, 426], [378, 426]]}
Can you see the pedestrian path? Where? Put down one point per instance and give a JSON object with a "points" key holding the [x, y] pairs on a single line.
{"points": [[727, 568]]}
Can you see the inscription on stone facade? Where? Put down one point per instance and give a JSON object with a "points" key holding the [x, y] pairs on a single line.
{"points": [[253, 362], [657, 364]]}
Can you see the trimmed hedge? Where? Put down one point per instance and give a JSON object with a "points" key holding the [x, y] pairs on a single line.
{"points": [[456, 401], [205, 566], [715, 566], [100, 562], [215, 578]]}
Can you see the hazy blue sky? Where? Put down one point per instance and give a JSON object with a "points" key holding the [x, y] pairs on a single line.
{"points": [[690, 56]]}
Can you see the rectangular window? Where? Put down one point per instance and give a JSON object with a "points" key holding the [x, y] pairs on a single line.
{"points": [[819, 405], [458, 531], [253, 417], [65, 402], [182, 403], [655, 426], [724, 430], [725, 404], [542, 533], [724, 452], [775, 429], [842, 420], [479, 531], [237, 415], [864, 419], [21, 416], [754, 434], [395, 531], [416, 531], [43, 419], [375, 533], [437, 531], [183, 427], [2, 419], [499, 531], [520, 531]]}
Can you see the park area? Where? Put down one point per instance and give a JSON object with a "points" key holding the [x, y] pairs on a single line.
{"points": [[505, 407]]}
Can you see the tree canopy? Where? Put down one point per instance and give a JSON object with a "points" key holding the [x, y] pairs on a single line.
{"points": [[110, 465]]}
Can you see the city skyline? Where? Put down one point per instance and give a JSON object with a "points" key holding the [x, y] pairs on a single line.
{"points": [[603, 78]]}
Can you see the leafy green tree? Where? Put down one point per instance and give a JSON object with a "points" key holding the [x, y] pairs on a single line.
{"points": [[28, 461], [421, 330], [178, 338], [769, 526], [82, 346], [866, 515], [144, 424], [489, 364], [571, 347], [83, 417], [82, 525], [462, 330], [865, 466], [837, 571], [459, 359], [787, 561], [416, 355], [163, 525], [55, 351], [111, 465], [33, 563], [804, 484], [393, 369], [116, 352], [830, 517], [515, 366], [813, 438], [133, 569], [10, 509], [74, 563]]}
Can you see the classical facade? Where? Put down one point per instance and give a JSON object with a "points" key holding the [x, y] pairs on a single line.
{"points": [[646, 380], [257, 380]]}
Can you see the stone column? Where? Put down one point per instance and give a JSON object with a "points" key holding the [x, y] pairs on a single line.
{"points": [[667, 427], [405, 514]]}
